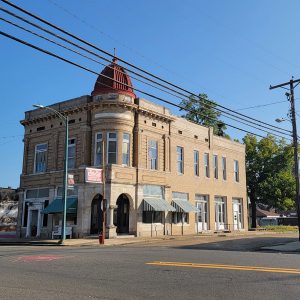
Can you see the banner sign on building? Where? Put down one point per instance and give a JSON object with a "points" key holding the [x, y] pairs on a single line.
{"points": [[93, 175], [71, 181]]}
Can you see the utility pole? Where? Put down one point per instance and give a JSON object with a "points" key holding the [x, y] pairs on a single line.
{"points": [[295, 138]]}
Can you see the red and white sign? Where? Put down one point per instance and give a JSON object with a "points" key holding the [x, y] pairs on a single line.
{"points": [[71, 181], [93, 175]]}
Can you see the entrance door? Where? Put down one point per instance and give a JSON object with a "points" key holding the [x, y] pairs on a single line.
{"points": [[237, 214], [96, 215], [123, 214], [220, 212], [202, 215]]}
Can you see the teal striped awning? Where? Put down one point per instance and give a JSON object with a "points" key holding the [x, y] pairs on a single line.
{"points": [[56, 206], [157, 204], [184, 206]]}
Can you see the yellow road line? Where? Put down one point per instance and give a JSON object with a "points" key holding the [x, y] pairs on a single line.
{"points": [[225, 267]]}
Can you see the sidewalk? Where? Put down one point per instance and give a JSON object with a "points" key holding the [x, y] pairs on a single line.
{"points": [[293, 246]]}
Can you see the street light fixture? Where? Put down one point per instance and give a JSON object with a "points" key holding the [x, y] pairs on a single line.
{"points": [[65, 181]]}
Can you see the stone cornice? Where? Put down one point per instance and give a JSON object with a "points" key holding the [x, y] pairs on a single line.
{"points": [[95, 105]]}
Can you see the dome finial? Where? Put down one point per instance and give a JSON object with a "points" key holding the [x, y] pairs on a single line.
{"points": [[115, 57]]}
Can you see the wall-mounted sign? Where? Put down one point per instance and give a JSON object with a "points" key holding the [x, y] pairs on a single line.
{"points": [[71, 181], [93, 175]]}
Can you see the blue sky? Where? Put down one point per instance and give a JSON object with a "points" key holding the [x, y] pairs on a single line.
{"points": [[232, 50]]}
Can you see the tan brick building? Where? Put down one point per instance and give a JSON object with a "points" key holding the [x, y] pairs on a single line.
{"points": [[164, 175]]}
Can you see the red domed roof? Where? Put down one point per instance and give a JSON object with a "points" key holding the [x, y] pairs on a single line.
{"points": [[115, 80]]}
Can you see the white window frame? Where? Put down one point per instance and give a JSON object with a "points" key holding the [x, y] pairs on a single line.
{"points": [[126, 141], [35, 154], [236, 171], [153, 159], [109, 139], [180, 160], [98, 140], [216, 169], [73, 157], [196, 162]]}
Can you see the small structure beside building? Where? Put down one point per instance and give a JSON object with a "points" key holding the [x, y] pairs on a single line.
{"points": [[163, 174]]}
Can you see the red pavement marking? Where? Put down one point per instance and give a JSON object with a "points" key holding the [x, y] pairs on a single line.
{"points": [[31, 258]]}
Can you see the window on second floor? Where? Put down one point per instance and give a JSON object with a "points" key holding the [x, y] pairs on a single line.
{"points": [[224, 172], [216, 166], [152, 149], [126, 149], [206, 164], [71, 153], [196, 163], [112, 147], [99, 149], [180, 162], [236, 170], [40, 163]]}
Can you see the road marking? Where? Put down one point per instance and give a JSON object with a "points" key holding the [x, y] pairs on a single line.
{"points": [[225, 267], [30, 258]]}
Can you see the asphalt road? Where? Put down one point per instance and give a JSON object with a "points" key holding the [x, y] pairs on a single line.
{"points": [[220, 270]]}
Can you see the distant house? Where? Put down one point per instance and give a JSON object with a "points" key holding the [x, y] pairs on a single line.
{"points": [[263, 213]]}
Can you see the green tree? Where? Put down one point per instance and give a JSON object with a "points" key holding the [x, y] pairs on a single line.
{"points": [[269, 173], [202, 111]]}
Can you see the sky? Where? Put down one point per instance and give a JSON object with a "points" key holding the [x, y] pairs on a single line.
{"points": [[231, 50]]}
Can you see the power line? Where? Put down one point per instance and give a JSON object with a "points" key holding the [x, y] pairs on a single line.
{"points": [[39, 27], [262, 105], [91, 71], [231, 116], [133, 66]]}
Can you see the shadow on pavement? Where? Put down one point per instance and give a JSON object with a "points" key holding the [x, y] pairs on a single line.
{"points": [[242, 244]]}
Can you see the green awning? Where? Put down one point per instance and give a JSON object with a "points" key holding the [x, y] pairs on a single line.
{"points": [[184, 206], [157, 204], [56, 206]]}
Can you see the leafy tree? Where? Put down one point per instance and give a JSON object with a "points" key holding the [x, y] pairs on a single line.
{"points": [[202, 111], [269, 173]]}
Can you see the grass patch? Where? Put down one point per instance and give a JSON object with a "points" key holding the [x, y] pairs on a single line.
{"points": [[281, 228]]}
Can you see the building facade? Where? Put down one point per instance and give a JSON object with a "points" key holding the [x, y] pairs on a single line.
{"points": [[163, 174]]}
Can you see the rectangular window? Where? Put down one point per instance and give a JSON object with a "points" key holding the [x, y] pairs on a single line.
{"points": [[180, 217], [71, 154], [196, 163], [71, 192], [216, 166], [152, 217], [206, 164], [111, 148], [224, 172], [236, 171], [125, 149], [99, 149], [179, 151], [40, 158], [37, 193], [152, 149]]}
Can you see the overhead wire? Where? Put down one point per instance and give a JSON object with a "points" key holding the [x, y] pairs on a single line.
{"points": [[261, 105], [232, 117], [91, 71], [133, 66]]}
